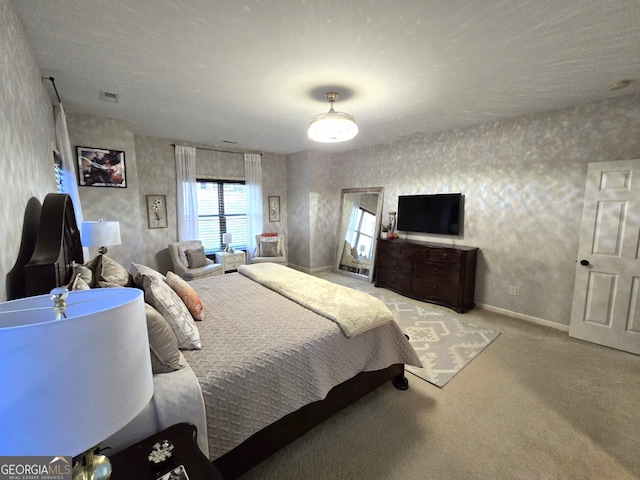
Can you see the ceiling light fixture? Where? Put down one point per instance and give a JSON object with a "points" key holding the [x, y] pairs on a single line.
{"points": [[332, 127]]}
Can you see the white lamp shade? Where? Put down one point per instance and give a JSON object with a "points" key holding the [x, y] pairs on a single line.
{"points": [[227, 238], [332, 127], [69, 384], [100, 234]]}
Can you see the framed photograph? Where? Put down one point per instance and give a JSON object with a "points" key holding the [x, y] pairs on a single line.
{"points": [[98, 167], [178, 473], [157, 211], [274, 209]]}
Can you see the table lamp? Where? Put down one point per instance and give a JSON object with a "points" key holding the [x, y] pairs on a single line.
{"points": [[361, 249], [100, 234], [74, 371], [227, 239]]}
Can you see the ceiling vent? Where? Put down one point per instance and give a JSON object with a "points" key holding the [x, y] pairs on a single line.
{"points": [[109, 96]]}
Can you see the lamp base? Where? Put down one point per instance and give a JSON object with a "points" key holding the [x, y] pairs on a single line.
{"points": [[91, 466]]}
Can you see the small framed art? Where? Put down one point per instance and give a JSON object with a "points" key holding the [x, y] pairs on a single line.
{"points": [[274, 209], [157, 211], [98, 167]]}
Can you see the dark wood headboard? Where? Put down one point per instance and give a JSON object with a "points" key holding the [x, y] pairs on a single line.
{"points": [[57, 244]]}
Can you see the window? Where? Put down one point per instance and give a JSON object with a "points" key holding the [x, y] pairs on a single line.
{"points": [[57, 166], [362, 236], [222, 208]]}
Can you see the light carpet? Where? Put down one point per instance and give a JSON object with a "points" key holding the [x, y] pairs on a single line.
{"points": [[445, 344]]}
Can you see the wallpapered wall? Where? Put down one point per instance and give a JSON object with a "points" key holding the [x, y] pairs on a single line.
{"points": [[523, 182], [150, 165], [26, 136]]}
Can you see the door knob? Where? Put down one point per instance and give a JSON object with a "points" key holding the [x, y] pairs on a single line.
{"points": [[584, 263]]}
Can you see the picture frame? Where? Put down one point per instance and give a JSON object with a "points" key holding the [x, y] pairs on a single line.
{"points": [[157, 211], [274, 209], [100, 167]]}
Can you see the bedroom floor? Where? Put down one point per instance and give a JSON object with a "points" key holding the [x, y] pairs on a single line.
{"points": [[534, 404]]}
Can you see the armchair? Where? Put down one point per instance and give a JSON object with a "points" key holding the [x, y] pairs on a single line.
{"points": [[177, 251], [350, 261], [262, 255]]}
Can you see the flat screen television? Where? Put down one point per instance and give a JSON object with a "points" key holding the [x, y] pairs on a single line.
{"points": [[438, 214]]}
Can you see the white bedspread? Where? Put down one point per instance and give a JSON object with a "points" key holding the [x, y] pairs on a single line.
{"points": [[354, 311], [177, 398], [264, 356]]}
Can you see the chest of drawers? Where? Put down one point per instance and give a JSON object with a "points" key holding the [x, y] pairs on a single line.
{"points": [[431, 272], [230, 261]]}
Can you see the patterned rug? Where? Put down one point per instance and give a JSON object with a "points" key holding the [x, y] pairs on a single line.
{"points": [[444, 344]]}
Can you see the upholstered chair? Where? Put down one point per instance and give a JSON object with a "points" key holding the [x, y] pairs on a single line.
{"points": [[270, 248], [189, 260]]}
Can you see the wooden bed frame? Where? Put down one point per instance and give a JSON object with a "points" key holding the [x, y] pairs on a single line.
{"points": [[45, 263]]}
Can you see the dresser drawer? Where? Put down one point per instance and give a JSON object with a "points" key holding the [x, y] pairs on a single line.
{"points": [[436, 291], [415, 253], [233, 264], [444, 255], [393, 279], [441, 272], [390, 247], [394, 263]]}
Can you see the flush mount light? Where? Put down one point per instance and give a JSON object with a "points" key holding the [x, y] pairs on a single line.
{"points": [[332, 127]]}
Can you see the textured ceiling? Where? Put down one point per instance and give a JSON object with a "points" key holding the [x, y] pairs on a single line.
{"points": [[254, 72]]}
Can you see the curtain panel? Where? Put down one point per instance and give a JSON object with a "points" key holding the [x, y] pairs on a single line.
{"points": [[253, 182], [69, 181], [186, 195]]}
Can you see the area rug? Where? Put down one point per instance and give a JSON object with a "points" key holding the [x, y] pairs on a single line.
{"points": [[445, 344]]}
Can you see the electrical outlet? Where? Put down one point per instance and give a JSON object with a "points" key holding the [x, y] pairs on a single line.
{"points": [[513, 290]]}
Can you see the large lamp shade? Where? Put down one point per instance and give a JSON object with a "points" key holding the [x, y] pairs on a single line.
{"points": [[69, 384]]}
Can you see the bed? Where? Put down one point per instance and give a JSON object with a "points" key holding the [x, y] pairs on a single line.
{"points": [[269, 368]]}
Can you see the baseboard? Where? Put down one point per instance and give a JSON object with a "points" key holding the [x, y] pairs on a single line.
{"points": [[310, 271], [528, 318]]}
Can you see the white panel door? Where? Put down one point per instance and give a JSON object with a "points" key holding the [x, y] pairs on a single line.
{"points": [[606, 300]]}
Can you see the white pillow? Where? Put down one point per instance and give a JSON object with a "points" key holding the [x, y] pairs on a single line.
{"points": [[161, 297]]}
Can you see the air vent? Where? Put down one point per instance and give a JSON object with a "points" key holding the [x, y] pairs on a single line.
{"points": [[109, 96]]}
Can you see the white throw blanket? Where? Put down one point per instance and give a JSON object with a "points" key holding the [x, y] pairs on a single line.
{"points": [[354, 311]]}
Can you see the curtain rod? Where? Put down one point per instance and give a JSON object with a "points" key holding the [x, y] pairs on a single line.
{"points": [[216, 150], [53, 81]]}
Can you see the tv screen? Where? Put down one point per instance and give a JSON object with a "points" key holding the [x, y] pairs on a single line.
{"points": [[439, 213]]}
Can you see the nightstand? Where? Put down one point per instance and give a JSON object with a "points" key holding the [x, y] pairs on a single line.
{"points": [[230, 261], [133, 463]]}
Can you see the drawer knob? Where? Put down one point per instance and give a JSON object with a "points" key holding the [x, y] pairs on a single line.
{"points": [[444, 256], [394, 263], [435, 271]]}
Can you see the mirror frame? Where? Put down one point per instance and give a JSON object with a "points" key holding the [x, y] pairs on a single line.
{"points": [[340, 242]]}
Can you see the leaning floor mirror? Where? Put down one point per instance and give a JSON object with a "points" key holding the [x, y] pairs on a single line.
{"points": [[358, 227]]}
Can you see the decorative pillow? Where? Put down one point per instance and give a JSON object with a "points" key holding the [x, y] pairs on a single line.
{"points": [[111, 274], [78, 283], [161, 297], [83, 271], [92, 266], [163, 343], [187, 245], [269, 247], [187, 294], [354, 252], [196, 257], [138, 272]]}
